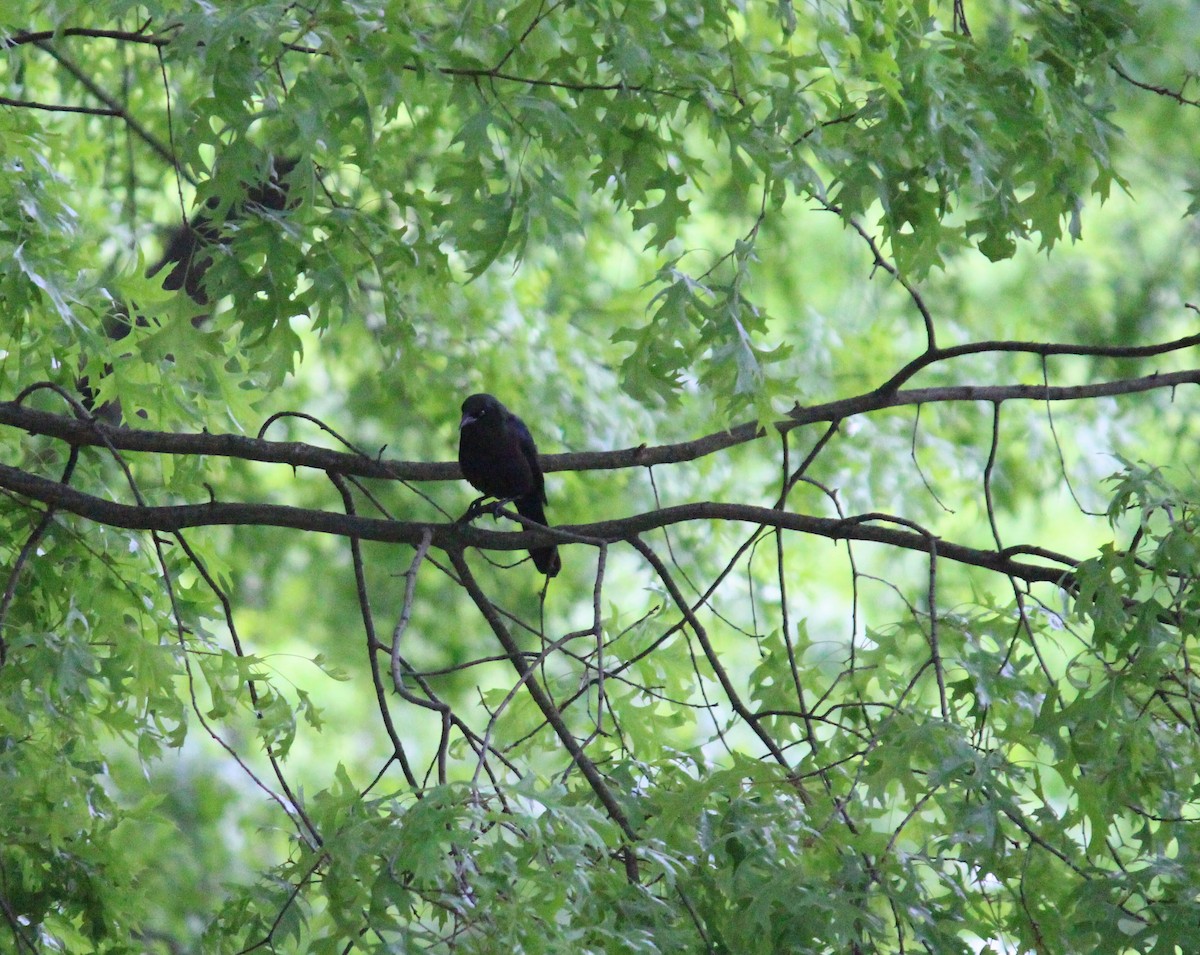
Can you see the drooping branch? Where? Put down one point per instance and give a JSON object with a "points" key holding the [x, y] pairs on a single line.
{"points": [[164, 38], [115, 107], [1176, 95], [544, 703], [368, 618], [714, 661]]}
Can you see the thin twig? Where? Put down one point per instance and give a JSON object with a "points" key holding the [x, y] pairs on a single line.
{"points": [[541, 699], [364, 604], [410, 590], [59, 107]]}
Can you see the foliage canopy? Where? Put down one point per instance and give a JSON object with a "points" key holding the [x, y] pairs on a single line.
{"points": [[831, 321]]}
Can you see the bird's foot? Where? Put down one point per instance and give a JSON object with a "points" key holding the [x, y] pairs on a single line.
{"points": [[473, 511], [498, 505]]}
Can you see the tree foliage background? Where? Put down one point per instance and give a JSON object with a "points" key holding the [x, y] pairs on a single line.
{"points": [[856, 337]]}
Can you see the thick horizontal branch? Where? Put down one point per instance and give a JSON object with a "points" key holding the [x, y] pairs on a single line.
{"points": [[293, 453], [23, 37], [297, 454], [169, 518]]}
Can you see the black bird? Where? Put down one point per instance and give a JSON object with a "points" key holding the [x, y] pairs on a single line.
{"points": [[497, 455], [190, 245]]}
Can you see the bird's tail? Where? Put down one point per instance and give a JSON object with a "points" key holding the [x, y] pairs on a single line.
{"points": [[545, 559]]}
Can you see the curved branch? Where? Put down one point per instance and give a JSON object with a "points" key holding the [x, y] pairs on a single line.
{"points": [[452, 537], [368, 618], [1176, 95], [1044, 349], [296, 454], [30, 544]]}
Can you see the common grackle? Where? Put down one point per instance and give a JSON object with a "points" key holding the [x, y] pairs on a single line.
{"points": [[497, 455], [189, 246], [189, 252]]}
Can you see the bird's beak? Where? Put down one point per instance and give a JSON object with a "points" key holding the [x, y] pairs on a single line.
{"points": [[466, 420]]}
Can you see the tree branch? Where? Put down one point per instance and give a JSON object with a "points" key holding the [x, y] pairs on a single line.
{"points": [[117, 108], [58, 108], [297, 454], [1176, 95], [452, 537], [23, 37], [544, 703], [1044, 349]]}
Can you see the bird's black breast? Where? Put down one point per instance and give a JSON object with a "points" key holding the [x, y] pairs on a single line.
{"points": [[493, 460]]}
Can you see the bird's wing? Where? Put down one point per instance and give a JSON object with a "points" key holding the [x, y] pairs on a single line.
{"points": [[529, 449]]}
